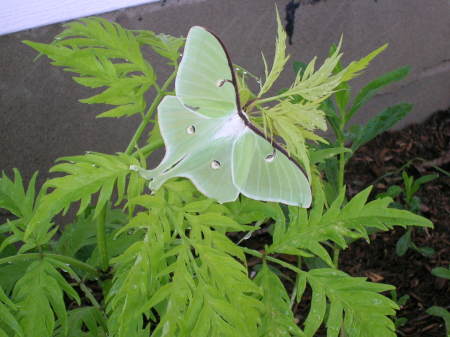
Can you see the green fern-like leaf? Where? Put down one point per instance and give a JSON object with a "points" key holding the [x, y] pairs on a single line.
{"points": [[210, 295], [10, 273], [297, 115], [355, 67], [318, 85], [278, 319], [85, 175], [179, 302], [80, 237], [163, 44], [83, 322], [14, 197], [186, 270], [247, 211], [279, 61], [39, 298], [104, 55], [8, 321], [352, 303], [228, 293], [309, 232], [245, 93], [19, 201], [136, 278], [77, 235], [314, 85]]}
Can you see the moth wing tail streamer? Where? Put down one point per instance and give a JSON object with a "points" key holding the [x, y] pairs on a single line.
{"points": [[153, 176], [146, 174], [263, 173]]}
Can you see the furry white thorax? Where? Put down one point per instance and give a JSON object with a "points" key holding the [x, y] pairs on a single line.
{"points": [[232, 126]]}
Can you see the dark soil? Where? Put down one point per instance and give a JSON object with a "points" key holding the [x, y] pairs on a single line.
{"points": [[419, 149]]}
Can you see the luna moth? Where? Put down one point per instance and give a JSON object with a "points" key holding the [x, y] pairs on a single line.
{"points": [[210, 140]]}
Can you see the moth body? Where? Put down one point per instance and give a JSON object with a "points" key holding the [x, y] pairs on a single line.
{"points": [[233, 126]]}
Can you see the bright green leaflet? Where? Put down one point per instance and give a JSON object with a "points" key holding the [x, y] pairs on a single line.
{"points": [[208, 142]]}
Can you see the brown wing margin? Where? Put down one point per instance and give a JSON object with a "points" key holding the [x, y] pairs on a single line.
{"points": [[247, 122]]}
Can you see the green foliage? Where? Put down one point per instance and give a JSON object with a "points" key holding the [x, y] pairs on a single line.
{"points": [[82, 319], [165, 45], [308, 232], [350, 302], [441, 272], [360, 135], [278, 320], [442, 313], [136, 277], [85, 176], [279, 60], [15, 198], [401, 301], [412, 186], [175, 263], [355, 67], [315, 85], [8, 323], [411, 202], [405, 242], [373, 87], [106, 55], [165, 276], [77, 235], [20, 202], [339, 109], [39, 298]]}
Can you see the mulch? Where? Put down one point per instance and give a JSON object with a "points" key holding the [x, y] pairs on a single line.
{"points": [[419, 149]]}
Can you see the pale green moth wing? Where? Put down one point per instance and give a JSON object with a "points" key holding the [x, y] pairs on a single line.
{"points": [[263, 172], [204, 79], [209, 169], [195, 149]]}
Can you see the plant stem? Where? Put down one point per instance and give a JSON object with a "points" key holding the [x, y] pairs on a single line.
{"points": [[272, 98], [65, 259], [341, 143], [336, 251], [294, 291], [144, 151], [87, 292], [161, 93], [273, 259], [341, 169], [101, 239], [341, 173]]}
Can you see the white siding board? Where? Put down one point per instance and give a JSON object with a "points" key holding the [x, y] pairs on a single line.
{"points": [[17, 15]]}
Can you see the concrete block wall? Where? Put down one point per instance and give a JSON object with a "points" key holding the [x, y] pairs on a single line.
{"points": [[41, 118]]}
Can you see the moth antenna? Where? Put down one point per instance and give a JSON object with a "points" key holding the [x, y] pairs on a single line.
{"points": [[220, 83]]}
